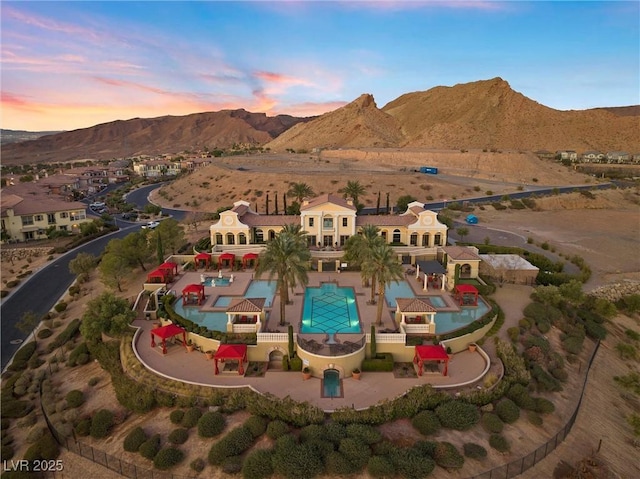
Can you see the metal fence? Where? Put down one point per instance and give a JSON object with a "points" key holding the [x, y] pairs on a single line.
{"points": [[127, 469]]}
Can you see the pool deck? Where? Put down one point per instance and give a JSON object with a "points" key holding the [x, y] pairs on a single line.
{"points": [[372, 388]]}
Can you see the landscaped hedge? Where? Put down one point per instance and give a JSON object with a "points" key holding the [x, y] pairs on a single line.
{"points": [[458, 415], [167, 458], [134, 439], [191, 417], [176, 416], [367, 434], [101, 424], [383, 362], [426, 422], [507, 411], [520, 395], [211, 424], [499, 442], [492, 423], [447, 456], [150, 448], [277, 428], [178, 436], [75, 398], [380, 467], [72, 329], [474, 451], [234, 443], [257, 464], [21, 358]]}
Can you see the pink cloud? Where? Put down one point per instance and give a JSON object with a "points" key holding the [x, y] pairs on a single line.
{"points": [[404, 5], [312, 108], [48, 24]]}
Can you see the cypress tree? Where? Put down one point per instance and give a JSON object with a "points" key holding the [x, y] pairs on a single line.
{"points": [[276, 207], [378, 204]]}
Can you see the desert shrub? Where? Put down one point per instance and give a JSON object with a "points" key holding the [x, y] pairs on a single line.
{"points": [[178, 436], [45, 449], [626, 351], [34, 435], [277, 428], [380, 467], [335, 432], [446, 455], [23, 355], [411, 462], [60, 307], [191, 417], [197, 465], [534, 418], [355, 451], [492, 423], [508, 411], [595, 330], [365, 433], [79, 355], [544, 380], [524, 324], [44, 333], [543, 406], [234, 443], [336, 464], [167, 458], [75, 398], [311, 432], [101, 424], [295, 364], [537, 341], [513, 333], [176, 416], [499, 442], [150, 448], [426, 422], [257, 464], [232, 465], [301, 460], [83, 428], [543, 326], [134, 439], [14, 408], [474, 451], [210, 424], [520, 395], [458, 415], [257, 425], [560, 374]]}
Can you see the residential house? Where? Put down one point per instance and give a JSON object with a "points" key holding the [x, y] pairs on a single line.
{"points": [[618, 157], [156, 168], [593, 157], [545, 155], [570, 155]]}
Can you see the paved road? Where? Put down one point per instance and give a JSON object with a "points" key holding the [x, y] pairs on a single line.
{"points": [[41, 291]]}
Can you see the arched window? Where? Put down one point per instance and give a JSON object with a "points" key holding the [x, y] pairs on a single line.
{"points": [[465, 271], [272, 234], [218, 238], [384, 236], [396, 236], [413, 241], [242, 238], [231, 239], [425, 240], [259, 236], [437, 239]]}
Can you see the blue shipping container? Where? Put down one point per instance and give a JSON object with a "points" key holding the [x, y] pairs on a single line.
{"points": [[429, 169]]}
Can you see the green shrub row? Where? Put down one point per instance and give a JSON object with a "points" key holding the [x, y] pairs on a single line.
{"points": [[22, 356], [72, 329], [383, 362]]}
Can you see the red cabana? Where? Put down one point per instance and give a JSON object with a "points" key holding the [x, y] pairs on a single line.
{"points": [[166, 332], [466, 295], [204, 258], [193, 293], [170, 267], [231, 351], [229, 258], [157, 276], [249, 257], [431, 353]]}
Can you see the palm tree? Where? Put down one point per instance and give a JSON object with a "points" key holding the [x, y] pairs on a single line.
{"points": [[383, 264], [358, 249], [300, 191], [353, 190], [287, 258]]}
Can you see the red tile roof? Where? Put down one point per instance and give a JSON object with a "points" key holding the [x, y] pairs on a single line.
{"points": [[246, 305], [327, 198], [461, 253], [414, 305]]}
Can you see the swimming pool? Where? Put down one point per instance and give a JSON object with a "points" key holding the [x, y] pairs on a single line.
{"points": [[437, 301], [262, 289], [450, 321], [330, 309], [216, 281], [223, 301], [214, 320], [331, 387], [394, 290]]}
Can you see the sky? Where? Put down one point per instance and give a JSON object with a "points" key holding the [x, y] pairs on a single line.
{"points": [[70, 65]]}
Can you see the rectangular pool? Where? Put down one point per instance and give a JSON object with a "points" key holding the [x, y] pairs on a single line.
{"points": [[394, 290], [213, 320], [262, 289], [450, 321], [330, 309]]}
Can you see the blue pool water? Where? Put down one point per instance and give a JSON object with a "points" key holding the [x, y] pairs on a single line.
{"points": [[437, 301], [450, 321], [331, 384], [262, 289], [394, 290], [216, 321], [330, 309], [215, 281], [223, 301]]}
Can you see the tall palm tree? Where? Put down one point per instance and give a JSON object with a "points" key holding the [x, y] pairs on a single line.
{"points": [[354, 189], [358, 249], [300, 191], [384, 265], [286, 257]]}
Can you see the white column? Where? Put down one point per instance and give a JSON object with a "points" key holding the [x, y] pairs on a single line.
{"points": [[425, 287], [444, 280], [417, 270]]}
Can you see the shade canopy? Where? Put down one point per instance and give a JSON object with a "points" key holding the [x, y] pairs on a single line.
{"points": [[157, 276], [431, 267], [227, 257], [466, 294], [431, 353], [204, 258], [193, 293], [231, 351], [249, 257], [166, 332], [170, 268]]}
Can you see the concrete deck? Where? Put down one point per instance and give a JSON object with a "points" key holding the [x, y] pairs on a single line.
{"points": [[178, 364]]}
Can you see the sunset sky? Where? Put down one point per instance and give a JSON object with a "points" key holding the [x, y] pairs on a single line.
{"points": [[69, 65]]}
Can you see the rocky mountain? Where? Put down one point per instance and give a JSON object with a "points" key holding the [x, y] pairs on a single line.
{"points": [[167, 134], [357, 124]]}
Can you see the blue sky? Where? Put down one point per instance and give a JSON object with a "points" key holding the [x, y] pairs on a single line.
{"points": [[68, 65]]}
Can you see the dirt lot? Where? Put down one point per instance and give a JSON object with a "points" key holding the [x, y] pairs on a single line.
{"points": [[606, 236]]}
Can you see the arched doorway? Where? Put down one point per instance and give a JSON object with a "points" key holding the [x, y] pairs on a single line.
{"points": [[465, 271], [332, 384], [275, 359]]}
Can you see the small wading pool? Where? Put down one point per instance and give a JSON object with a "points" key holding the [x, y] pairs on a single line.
{"points": [[216, 281], [331, 384]]}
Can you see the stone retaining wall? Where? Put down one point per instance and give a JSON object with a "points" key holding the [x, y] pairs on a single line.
{"points": [[613, 292]]}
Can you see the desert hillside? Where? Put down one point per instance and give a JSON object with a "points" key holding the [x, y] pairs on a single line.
{"points": [[168, 134], [462, 175]]}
